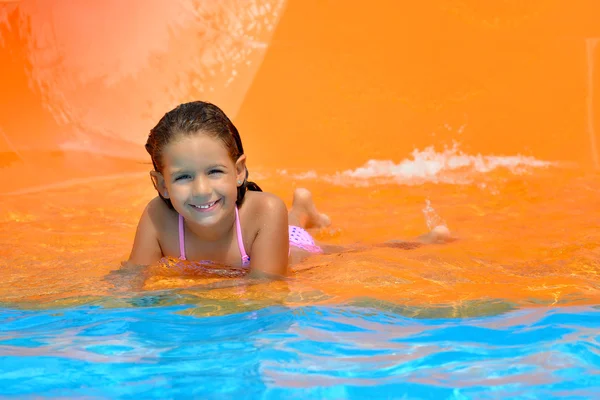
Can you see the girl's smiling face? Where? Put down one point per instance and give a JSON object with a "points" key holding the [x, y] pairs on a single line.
{"points": [[200, 178]]}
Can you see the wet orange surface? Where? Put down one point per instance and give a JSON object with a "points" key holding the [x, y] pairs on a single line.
{"points": [[490, 112]]}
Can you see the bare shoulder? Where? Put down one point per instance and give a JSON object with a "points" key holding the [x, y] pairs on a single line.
{"points": [[267, 218], [159, 218], [264, 205], [157, 211], [147, 243], [260, 210]]}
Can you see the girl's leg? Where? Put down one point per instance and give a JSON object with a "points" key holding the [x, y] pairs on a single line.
{"points": [[305, 215], [304, 212], [438, 235]]}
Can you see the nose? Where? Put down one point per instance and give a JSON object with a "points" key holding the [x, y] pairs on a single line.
{"points": [[201, 187]]}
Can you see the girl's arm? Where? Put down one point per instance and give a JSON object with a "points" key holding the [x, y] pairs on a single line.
{"points": [[270, 250], [146, 250]]}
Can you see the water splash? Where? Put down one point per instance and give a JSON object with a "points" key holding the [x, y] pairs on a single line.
{"points": [[432, 218], [450, 166], [428, 164]]}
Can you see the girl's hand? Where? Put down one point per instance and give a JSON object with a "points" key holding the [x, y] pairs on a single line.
{"points": [[129, 278]]}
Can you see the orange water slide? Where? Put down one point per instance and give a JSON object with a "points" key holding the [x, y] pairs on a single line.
{"points": [[83, 82], [344, 82], [340, 82]]}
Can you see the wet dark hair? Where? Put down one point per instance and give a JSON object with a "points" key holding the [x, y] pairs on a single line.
{"points": [[190, 119]]}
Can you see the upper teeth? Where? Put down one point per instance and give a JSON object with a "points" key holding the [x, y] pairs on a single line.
{"points": [[207, 205]]}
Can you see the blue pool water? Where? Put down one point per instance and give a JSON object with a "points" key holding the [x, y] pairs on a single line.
{"points": [[346, 351]]}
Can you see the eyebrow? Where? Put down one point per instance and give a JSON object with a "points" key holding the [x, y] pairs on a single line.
{"points": [[185, 170]]}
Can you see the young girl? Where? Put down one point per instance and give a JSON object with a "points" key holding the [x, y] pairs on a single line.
{"points": [[208, 212]]}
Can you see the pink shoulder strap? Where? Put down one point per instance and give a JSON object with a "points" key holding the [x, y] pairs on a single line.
{"points": [[181, 239], [240, 240]]}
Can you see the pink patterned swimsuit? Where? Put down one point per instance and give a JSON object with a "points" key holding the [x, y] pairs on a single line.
{"points": [[302, 239], [298, 238]]}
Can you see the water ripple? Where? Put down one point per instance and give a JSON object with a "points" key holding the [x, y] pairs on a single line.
{"points": [[333, 352]]}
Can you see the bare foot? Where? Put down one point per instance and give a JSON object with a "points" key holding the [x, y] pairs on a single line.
{"points": [[304, 212], [439, 234]]}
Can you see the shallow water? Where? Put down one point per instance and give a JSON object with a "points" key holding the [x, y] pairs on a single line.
{"points": [[528, 239]]}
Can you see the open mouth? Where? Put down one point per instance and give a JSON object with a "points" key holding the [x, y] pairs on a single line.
{"points": [[206, 207]]}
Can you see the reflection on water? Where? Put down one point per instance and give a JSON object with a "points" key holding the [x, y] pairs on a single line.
{"points": [[359, 120], [323, 352]]}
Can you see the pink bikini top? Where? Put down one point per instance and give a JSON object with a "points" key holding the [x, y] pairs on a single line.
{"points": [[238, 229]]}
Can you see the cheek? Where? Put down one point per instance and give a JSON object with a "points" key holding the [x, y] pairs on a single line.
{"points": [[178, 191], [228, 185]]}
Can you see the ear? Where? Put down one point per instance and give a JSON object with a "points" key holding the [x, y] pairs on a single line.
{"points": [[159, 183], [240, 169]]}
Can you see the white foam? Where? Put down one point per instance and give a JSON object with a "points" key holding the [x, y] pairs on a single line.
{"points": [[448, 166]]}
